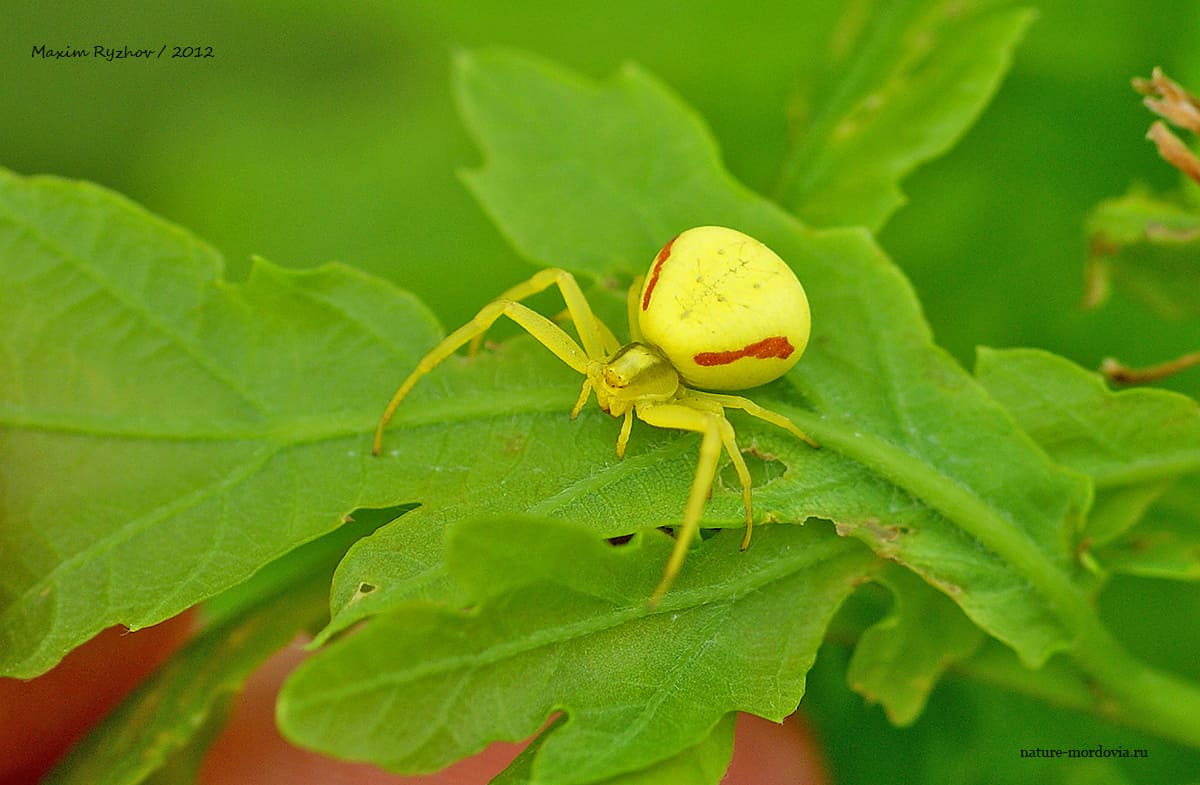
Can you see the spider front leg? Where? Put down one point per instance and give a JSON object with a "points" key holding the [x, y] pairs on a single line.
{"points": [[717, 433], [542, 329], [598, 341]]}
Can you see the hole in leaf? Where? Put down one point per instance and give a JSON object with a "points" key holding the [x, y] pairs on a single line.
{"points": [[764, 468], [363, 590]]}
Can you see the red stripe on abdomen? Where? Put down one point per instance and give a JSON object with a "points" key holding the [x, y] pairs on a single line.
{"points": [[656, 270], [776, 347]]}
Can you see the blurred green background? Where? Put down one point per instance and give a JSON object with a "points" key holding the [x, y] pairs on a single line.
{"points": [[324, 132]]}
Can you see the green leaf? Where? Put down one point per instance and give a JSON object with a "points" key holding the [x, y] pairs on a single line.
{"points": [[1132, 444], [899, 660], [925, 461], [163, 433], [1165, 543], [917, 460], [1136, 445], [1147, 246], [941, 478], [559, 622], [499, 422], [897, 84], [703, 764], [161, 732], [1116, 438]]}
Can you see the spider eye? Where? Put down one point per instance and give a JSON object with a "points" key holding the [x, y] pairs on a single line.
{"points": [[614, 379]]}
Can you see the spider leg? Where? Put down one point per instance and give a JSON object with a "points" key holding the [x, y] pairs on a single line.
{"points": [[542, 329], [754, 410], [623, 438], [608, 342], [584, 394], [716, 432], [728, 437], [598, 341]]}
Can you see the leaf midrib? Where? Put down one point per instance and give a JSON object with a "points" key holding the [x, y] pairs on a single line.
{"points": [[292, 430], [188, 348], [723, 593]]}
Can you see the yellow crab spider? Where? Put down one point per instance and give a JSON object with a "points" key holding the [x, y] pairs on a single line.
{"points": [[718, 310]]}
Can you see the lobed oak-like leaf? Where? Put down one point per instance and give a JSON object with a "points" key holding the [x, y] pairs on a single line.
{"points": [[916, 459], [163, 433], [898, 660], [924, 456], [559, 623]]}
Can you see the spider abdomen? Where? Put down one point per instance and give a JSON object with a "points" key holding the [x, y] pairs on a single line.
{"points": [[724, 309]]}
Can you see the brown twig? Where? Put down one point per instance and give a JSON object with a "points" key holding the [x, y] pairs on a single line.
{"points": [[1118, 373]]}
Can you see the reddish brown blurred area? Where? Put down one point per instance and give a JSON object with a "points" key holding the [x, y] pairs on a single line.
{"points": [[41, 718]]}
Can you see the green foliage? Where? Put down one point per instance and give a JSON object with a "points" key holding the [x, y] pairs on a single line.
{"points": [[1147, 246], [705, 762], [896, 84], [559, 622], [1165, 540], [1116, 438], [1141, 448], [899, 659], [167, 433], [868, 408]]}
